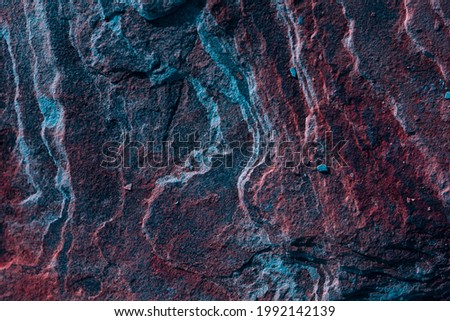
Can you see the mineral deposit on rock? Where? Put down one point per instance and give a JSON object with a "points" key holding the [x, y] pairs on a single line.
{"points": [[96, 97]]}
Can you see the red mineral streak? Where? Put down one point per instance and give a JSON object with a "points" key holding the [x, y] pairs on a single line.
{"points": [[76, 75]]}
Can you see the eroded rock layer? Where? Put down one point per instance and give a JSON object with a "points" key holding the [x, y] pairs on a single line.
{"points": [[369, 76]]}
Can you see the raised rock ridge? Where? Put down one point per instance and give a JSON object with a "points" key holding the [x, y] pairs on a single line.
{"points": [[368, 76]]}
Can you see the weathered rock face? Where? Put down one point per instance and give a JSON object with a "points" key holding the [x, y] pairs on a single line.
{"points": [[89, 210], [154, 9]]}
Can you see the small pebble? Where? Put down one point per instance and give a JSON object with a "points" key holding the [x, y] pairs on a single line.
{"points": [[128, 187], [293, 72], [447, 95], [322, 168], [409, 200], [300, 21]]}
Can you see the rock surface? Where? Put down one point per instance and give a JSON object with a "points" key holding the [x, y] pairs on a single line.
{"points": [[78, 74]]}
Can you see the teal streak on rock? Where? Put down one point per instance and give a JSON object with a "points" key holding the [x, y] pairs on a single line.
{"points": [[49, 110]]}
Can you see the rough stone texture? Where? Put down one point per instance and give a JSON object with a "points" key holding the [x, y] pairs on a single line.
{"points": [[76, 74], [151, 10]]}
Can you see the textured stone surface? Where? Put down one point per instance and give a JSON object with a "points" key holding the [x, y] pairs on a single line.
{"points": [[154, 9], [77, 74]]}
